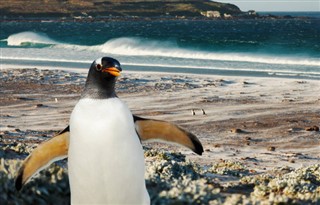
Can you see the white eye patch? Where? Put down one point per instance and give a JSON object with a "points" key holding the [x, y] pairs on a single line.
{"points": [[98, 61]]}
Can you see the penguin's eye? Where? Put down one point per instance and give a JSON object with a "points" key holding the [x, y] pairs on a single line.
{"points": [[99, 67]]}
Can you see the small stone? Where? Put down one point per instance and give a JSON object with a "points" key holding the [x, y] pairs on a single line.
{"points": [[314, 128], [39, 105], [236, 130], [309, 129], [271, 148], [292, 161]]}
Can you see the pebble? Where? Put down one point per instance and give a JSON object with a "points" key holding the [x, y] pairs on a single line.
{"points": [[314, 128], [236, 130], [39, 105], [271, 148]]}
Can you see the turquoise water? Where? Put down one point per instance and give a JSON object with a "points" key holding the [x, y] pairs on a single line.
{"points": [[286, 48]]}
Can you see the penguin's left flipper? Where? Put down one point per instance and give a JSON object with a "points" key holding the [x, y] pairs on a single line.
{"points": [[149, 129], [45, 154]]}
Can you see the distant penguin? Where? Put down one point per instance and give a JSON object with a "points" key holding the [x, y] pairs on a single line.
{"points": [[105, 160]]}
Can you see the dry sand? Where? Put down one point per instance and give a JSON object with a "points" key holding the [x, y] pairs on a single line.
{"points": [[260, 123]]}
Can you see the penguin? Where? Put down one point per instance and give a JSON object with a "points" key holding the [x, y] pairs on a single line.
{"points": [[146, 129], [105, 157]]}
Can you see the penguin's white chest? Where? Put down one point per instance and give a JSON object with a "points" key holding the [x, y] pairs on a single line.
{"points": [[105, 158]]}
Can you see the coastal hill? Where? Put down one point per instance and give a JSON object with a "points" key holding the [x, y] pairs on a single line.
{"points": [[96, 8]]}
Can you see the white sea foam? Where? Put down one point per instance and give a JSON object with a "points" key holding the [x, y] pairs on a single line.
{"points": [[29, 37]]}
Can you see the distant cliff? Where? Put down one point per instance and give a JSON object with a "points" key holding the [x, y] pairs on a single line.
{"points": [[94, 8]]}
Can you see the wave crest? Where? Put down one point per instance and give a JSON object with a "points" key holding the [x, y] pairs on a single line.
{"points": [[142, 47], [29, 37]]}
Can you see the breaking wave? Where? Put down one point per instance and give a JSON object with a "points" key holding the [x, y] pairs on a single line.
{"points": [[131, 46], [29, 38]]}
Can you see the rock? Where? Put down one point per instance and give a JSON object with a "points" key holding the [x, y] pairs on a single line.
{"points": [[236, 130], [314, 128], [271, 148], [39, 105]]}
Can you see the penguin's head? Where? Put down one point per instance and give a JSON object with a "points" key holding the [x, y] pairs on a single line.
{"points": [[107, 67], [101, 78]]}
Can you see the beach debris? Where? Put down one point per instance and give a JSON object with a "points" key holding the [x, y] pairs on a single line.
{"points": [[39, 105], [25, 98], [236, 130], [301, 82], [271, 148], [313, 128]]}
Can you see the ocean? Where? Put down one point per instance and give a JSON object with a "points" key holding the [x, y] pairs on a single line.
{"points": [[262, 48]]}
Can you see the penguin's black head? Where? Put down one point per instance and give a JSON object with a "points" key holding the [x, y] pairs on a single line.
{"points": [[106, 67], [101, 78]]}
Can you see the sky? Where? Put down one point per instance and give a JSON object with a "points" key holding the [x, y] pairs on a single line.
{"points": [[275, 5]]}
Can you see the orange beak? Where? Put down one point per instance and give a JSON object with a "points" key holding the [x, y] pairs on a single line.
{"points": [[112, 70]]}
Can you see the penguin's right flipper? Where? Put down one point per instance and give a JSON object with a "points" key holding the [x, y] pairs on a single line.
{"points": [[45, 154], [149, 129]]}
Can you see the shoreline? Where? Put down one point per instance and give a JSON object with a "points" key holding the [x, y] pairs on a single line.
{"points": [[252, 126], [210, 72]]}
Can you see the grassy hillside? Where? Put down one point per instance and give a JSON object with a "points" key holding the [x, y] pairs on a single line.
{"points": [[112, 7]]}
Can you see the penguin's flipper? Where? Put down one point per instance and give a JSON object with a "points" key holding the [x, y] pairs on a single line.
{"points": [[149, 129], [45, 154]]}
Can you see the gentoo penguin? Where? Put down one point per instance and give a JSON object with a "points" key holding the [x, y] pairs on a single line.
{"points": [[147, 129], [105, 157]]}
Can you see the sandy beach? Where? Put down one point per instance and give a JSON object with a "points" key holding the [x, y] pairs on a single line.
{"points": [[260, 135]]}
